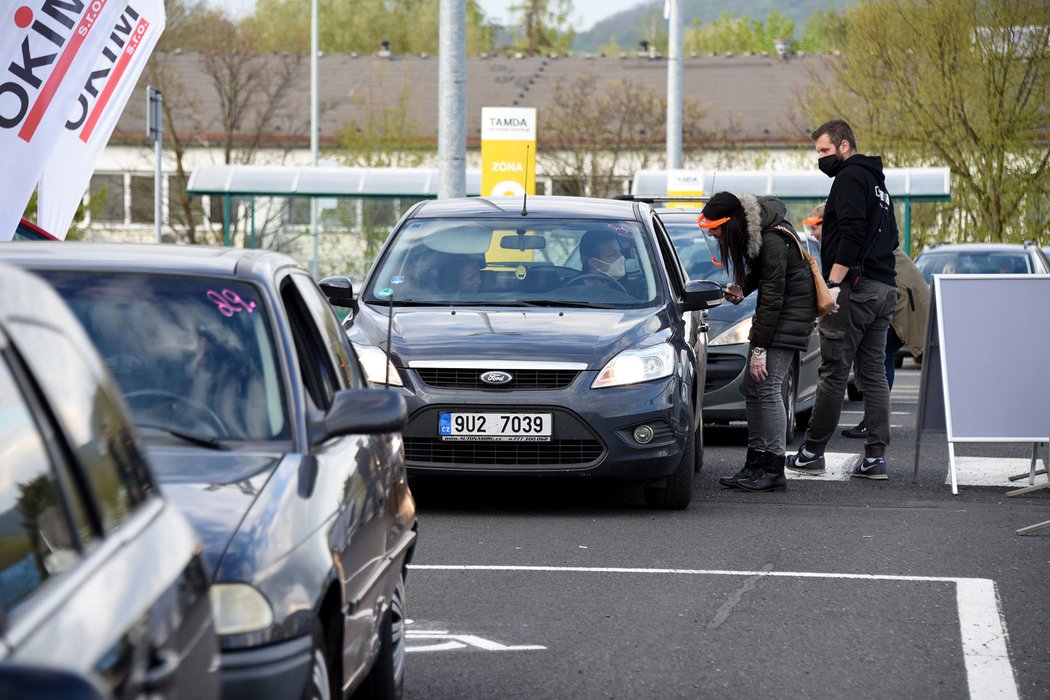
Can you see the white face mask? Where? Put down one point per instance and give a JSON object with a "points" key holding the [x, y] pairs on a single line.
{"points": [[615, 269]]}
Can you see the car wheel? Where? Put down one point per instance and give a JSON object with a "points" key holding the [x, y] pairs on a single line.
{"points": [[386, 680], [790, 382], [318, 684], [678, 491]]}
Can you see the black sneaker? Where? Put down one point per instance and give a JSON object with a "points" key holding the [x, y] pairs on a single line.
{"points": [[799, 463], [872, 468], [858, 431]]}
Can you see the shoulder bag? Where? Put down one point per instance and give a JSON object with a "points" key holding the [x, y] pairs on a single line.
{"points": [[825, 302]]}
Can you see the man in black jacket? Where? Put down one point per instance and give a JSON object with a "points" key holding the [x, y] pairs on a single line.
{"points": [[860, 234]]}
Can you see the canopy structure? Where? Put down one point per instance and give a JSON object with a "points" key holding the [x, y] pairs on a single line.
{"points": [[906, 185]]}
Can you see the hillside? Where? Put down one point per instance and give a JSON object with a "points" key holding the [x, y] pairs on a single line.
{"points": [[646, 21]]}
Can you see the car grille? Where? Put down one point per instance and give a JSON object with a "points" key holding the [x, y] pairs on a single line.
{"points": [[558, 452], [522, 379]]}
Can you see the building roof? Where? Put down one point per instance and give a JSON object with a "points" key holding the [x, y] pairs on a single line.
{"points": [[750, 99]]}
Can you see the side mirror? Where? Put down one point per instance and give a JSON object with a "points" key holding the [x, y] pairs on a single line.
{"points": [[339, 290], [363, 411], [702, 294], [18, 680]]}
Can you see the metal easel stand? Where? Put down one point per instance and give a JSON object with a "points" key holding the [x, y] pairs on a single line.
{"points": [[1032, 486]]}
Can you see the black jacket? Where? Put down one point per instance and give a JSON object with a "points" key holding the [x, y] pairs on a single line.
{"points": [[860, 229], [787, 306]]}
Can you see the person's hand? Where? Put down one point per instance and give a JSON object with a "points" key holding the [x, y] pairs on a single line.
{"points": [[835, 297], [733, 293], [758, 367]]}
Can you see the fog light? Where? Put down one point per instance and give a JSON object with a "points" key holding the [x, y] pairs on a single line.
{"points": [[643, 434]]}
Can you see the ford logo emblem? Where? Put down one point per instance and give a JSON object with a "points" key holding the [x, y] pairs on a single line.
{"points": [[495, 377]]}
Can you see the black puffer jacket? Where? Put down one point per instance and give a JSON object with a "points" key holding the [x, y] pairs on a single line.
{"points": [[787, 305]]}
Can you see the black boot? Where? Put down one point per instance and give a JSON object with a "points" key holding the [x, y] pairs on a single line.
{"points": [[770, 478], [752, 467]]}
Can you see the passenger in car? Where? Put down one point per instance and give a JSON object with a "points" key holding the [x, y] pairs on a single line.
{"points": [[461, 274]]}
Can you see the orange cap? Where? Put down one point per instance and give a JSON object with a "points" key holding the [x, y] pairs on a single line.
{"points": [[708, 223], [813, 221]]}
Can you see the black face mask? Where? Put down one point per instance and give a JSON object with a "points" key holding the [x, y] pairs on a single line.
{"points": [[829, 164]]}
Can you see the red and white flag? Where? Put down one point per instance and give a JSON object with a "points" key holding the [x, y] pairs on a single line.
{"points": [[95, 115], [47, 51]]}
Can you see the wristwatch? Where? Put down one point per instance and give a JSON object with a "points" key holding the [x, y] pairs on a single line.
{"points": [[758, 352], [832, 285]]}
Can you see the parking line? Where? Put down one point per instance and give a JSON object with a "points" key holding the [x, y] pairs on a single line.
{"points": [[981, 622]]}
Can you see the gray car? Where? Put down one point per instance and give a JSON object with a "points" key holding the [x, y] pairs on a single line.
{"points": [[982, 258], [101, 577], [729, 327]]}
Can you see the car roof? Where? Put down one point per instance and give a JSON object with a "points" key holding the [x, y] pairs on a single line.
{"points": [[539, 206], [149, 258], [31, 231], [976, 248]]}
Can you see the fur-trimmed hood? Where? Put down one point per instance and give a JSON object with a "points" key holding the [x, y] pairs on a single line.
{"points": [[761, 213]]}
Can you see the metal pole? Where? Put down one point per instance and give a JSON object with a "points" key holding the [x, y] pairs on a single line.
{"points": [[314, 137], [158, 187], [674, 86], [452, 100], [155, 133]]}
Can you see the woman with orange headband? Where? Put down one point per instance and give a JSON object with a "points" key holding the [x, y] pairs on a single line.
{"points": [[760, 250]]}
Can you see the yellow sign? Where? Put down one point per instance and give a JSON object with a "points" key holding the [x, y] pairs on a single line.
{"points": [[685, 183], [508, 151]]}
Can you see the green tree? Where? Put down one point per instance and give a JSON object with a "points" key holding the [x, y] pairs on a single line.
{"points": [[824, 32], [956, 83], [544, 26], [729, 33], [411, 26]]}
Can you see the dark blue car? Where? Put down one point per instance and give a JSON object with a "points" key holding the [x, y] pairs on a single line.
{"points": [[555, 336], [260, 425]]}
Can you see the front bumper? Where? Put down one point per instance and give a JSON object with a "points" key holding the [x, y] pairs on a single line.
{"points": [[275, 671], [592, 430]]}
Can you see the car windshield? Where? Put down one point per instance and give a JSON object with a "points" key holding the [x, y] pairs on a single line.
{"points": [[193, 356], [543, 262], [972, 263]]}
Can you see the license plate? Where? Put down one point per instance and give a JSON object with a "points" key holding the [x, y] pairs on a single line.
{"points": [[502, 427]]}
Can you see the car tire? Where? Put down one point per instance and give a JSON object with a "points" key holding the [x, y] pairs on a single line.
{"points": [[319, 682], [678, 491], [698, 460], [386, 680], [790, 382]]}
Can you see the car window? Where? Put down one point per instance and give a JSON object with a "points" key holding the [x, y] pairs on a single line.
{"points": [[92, 425], [192, 354], [447, 261], [325, 319], [36, 539], [315, 363], [969, 262], [698, 252], [672, 263]]}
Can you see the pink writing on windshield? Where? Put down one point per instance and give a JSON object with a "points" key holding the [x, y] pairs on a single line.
{"points": [[229, 302]]}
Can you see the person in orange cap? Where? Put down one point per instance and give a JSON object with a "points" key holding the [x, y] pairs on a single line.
{"points": [[814, 223]]}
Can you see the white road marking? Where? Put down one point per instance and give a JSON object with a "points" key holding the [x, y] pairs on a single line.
{"points": [[981, 622], [993, 471], [460, 641]]}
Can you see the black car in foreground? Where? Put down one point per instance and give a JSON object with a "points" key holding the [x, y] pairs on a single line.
{"points": [[102, 585], [557, 335], [260, 425]]}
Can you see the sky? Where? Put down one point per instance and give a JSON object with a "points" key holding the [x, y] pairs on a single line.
{"points": [[585, 12]]}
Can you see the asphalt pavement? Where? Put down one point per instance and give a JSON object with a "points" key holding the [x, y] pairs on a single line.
{"points": [[837, 587]]}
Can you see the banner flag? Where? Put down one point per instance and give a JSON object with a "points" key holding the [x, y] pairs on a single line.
{"points": [[96, 112], [47, 51], [508, 151]]}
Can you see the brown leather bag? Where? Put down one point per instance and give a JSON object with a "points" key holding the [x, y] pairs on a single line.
{"points": [[825, 302]]}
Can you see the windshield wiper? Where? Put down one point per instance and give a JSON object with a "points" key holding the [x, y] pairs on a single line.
{"points": [[571, 304], [201, 440]]}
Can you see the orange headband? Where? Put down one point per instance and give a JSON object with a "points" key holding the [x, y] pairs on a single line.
{"points": [[708, 223], [813, 221]]}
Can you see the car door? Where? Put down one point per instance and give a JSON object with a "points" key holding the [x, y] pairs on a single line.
{"points": [[349, 481], [96, 571]]}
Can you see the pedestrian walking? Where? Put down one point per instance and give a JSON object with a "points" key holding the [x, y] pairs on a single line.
{"points": [[859, 237], [908, 327], [761, 251]]}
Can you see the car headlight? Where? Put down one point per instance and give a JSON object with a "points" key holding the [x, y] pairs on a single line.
{"points": [[239, 608], [636, 365], [737, 333], [376, 364]]}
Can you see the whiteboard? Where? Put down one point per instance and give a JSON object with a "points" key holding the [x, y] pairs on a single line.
{"points": [[994, 338]]}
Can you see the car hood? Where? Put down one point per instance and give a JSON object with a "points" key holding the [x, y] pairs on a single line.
{"points": [[214, 490], [721, 318], [589, 336]]}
